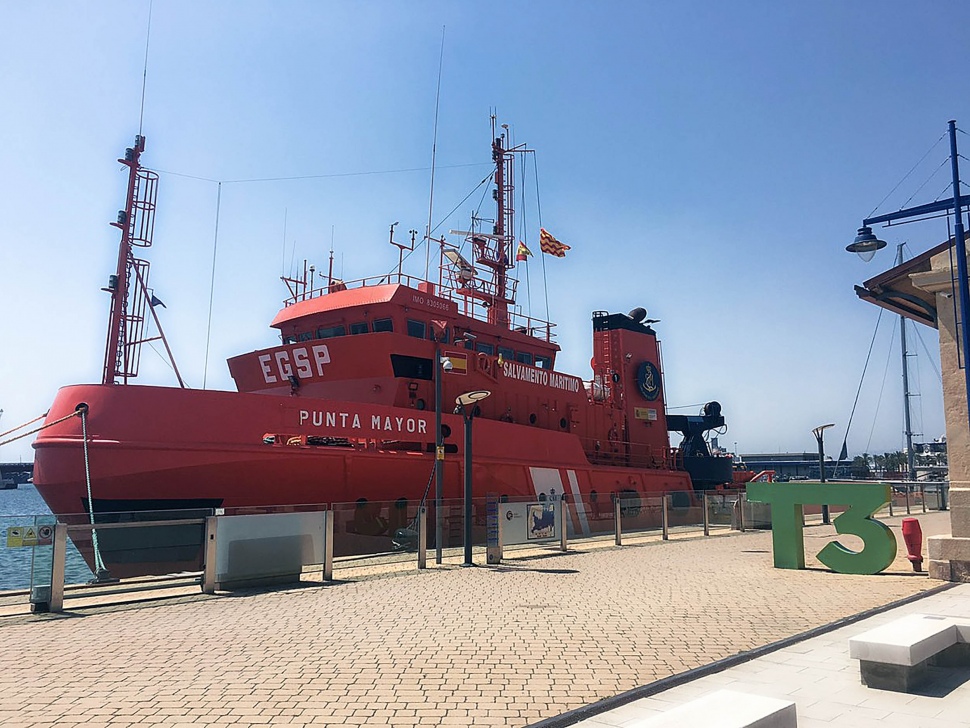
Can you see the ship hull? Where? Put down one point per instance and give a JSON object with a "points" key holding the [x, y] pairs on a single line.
{"points": [[164, 452]]}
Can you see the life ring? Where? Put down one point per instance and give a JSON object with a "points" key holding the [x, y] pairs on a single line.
{"points": [[485, 364]]}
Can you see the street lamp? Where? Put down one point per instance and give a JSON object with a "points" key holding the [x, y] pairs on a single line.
{"points": [[866, 244], [466, 408], [818, 432], [442, 364]]}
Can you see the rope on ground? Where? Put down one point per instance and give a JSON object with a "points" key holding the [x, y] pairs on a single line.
{"points": [[36, 429]]}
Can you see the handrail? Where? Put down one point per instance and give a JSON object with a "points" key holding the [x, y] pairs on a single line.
{"points": [[529, 325]]}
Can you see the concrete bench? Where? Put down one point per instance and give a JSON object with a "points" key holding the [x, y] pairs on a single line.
{"points": [[898, 656], [725, 709]]}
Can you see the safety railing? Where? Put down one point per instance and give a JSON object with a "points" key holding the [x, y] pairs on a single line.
{"points": [[236, 548]]}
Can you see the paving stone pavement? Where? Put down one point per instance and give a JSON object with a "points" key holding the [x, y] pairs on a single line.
{"points": [[502, 646], [824, 682]]}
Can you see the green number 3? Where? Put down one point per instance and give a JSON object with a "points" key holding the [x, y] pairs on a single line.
{"points": [[861, 499]]}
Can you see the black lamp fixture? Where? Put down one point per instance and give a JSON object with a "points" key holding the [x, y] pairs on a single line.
{"points": [[865, 244]]}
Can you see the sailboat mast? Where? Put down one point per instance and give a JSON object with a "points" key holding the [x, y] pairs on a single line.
{"points": [[908, 431]]}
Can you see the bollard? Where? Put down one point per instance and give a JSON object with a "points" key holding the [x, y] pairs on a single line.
{"points": [[913, 536], [617, 526], [707, 516]]}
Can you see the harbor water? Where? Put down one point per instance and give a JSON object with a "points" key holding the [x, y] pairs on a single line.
{"points": [[23, 507]]}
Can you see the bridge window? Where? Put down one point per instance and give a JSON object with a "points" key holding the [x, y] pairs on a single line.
{"points": [[383, 325], [482, 348], [304, 336], [525, 357], [360, 328], [417, 329], [289, 339], [328, 332], [506, 354], [543, 362]]}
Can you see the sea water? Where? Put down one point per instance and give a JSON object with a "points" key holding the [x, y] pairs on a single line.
{"points": [[24, 507]]}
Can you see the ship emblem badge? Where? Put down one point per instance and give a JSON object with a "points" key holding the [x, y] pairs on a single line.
{"points": [[648, 381]]}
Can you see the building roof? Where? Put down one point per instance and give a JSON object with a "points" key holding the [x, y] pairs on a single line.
{"points": [[895, 291]]}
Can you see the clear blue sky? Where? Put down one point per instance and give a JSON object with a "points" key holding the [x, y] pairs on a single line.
{"points": [[706, 160]]}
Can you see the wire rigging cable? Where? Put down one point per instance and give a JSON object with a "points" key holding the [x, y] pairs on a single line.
{"points": [[882, 387], [928, 151], [861, 380], [212, 287], [434, 151]]}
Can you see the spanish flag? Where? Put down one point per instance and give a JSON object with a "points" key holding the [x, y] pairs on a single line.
{"points": [[523, 252], [550, 245]]}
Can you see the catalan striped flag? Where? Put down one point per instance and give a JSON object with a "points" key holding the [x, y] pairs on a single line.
{"points": [[522, 253], [550, 245]]}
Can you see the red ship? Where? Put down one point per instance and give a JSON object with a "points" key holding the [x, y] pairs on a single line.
{"points": [[343, 408]]}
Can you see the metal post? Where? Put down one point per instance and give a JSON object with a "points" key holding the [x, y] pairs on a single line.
{"points": [[422, 537], [944, 489], [741, 512], [56, 603], [617, 524], [329, 527], [908, 488], [821, 470], [563, 516], [209, 567], [922, 496], [961, 261], [892, 494], [664, 529], [468, 416], [439, 456], [707, 516]]}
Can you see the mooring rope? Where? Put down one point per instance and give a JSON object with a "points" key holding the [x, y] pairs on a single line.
{"points": [[98, 562], [37, 429]]}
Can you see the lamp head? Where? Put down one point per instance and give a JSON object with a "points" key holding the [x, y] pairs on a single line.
{"points": [[446, 364], [865, 244], [469, 398]]}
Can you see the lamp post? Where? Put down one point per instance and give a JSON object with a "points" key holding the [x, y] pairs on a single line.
{"points": [[442, 364], [466, 408], [818, 432], [866, 244]]}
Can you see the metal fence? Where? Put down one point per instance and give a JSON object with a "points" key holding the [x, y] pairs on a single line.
{"points": [[128, 553]]}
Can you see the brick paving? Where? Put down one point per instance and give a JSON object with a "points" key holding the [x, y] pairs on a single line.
{"points": [[504, 646]]}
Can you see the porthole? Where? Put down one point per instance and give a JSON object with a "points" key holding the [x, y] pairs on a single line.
{"points": [[532, 418], [563, 424], [421, 404], [445, 432]]}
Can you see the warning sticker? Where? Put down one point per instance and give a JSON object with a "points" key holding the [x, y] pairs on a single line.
{"points": [[25, 536]]}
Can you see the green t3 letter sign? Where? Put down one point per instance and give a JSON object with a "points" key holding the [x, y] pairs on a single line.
{"points": [[861, 499]]}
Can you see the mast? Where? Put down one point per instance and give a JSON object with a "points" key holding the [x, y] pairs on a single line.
{"points": [[908, 428], [130, 295], [116, 355]]}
